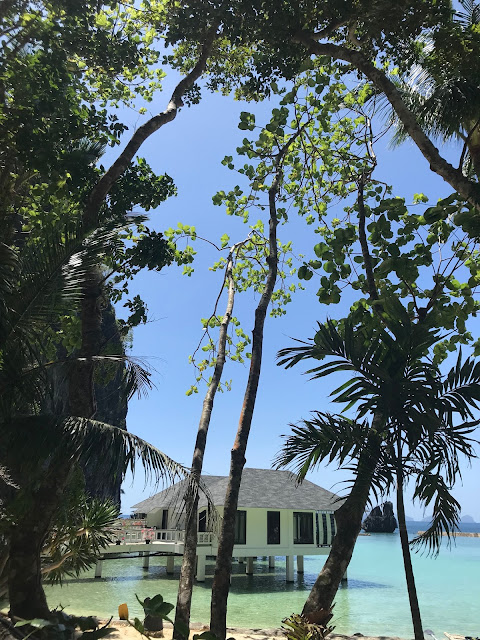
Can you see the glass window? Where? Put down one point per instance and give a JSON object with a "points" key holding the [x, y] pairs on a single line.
{"points": [[302, 528], [202, 521], [332, 525], [165, 519], [241, 527], [325, 529], [273, 527]]}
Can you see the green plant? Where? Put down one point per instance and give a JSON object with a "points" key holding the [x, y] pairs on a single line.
{"points": [[63, 627], [315, 627]]}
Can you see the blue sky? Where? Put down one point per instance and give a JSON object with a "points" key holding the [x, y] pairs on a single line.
{"points": [[190, 150]]}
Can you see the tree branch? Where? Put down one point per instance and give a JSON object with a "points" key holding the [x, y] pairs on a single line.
{"points": [[454, 177], [103, 186], [367, 259], [329, 29]]}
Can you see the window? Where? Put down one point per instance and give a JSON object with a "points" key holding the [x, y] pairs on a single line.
{"points": [[325, 529], [165, 519], [241, 527], [273, 527], [302, 528], [332, 525], [202, 521]]}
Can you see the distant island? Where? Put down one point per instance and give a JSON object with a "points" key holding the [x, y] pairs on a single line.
{"points": [[467, 519], [409, 519]]}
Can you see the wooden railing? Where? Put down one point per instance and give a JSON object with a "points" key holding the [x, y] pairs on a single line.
{"points": [[169, 535], [137, 534], [204, 537]]}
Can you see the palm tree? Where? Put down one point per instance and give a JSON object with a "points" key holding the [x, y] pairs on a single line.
{"points": [[39, 447], [446, 97], [404, 427]]}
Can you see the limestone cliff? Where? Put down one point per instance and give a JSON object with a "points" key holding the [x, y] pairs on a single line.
{"points": [[380, 520]]}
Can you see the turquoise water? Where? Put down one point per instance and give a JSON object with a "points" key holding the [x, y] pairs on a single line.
{"points": [[374, 602]]}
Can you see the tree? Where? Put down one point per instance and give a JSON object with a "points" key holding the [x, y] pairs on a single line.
{"points": [[277, 41], [445, 97], [61, 53], [41, 285], [414, 426], [187, 572]]}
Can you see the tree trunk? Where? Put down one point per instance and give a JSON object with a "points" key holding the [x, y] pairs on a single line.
{"points": [[27, 537], [407, 559], [187, 572], [27, 598], [348, 519], [223, 566]]}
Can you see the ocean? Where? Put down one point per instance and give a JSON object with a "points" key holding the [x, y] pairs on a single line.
{"points": [[373, 602]]}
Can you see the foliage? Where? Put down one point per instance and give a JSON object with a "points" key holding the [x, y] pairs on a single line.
{"points": [[444, 93], [158, 608], [81, 530], [261, 39], [299, 627], [63, 627], [390, 376]]}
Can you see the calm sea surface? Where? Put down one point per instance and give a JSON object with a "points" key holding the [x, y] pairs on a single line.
{"points": [[374, 602]]}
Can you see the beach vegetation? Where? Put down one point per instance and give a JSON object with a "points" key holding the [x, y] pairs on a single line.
{"points": [[69, 242], [421, 424], [298, 627]]}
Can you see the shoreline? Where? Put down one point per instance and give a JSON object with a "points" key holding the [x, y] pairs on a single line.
{"points": [[124, 631]]}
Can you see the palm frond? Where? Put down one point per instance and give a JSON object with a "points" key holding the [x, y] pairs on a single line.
{"points": [[446, 512], [461, 389], [78, 537], [325, 437], [53, 274], [105, 444]]}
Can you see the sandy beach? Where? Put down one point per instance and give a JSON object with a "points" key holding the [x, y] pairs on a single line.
{"points": [[126, 632]]}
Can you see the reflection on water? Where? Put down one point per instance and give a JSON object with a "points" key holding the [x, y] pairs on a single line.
{"points": [[374, 601]]}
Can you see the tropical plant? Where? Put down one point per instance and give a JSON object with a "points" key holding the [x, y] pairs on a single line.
{"points": [[405, 426], [44, 283], [298, 627], [445, 97]]}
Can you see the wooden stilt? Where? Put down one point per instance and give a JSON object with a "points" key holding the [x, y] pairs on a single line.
{"points": [[201, 562], [98, 568], [300, 564], [289, 567]]}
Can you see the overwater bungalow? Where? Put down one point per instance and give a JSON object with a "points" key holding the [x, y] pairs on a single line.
{"points": [[275, 517]]}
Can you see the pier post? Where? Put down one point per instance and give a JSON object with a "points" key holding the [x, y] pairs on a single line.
{"points": [[300, 564], [98, 568], [345, 576], [170, 564], [289, 568], [241, 560], [146, 559], [271, 562], [201, 562], [249, 566]]}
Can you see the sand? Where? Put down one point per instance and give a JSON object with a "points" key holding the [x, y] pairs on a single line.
{"points": [[125, 632]]}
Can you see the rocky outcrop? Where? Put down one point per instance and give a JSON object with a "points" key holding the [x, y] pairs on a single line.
{"points": [[111, 406], [380, 520], [111, 401]]}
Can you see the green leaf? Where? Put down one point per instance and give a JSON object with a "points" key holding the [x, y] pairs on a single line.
{"points": [[38, 623]]}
